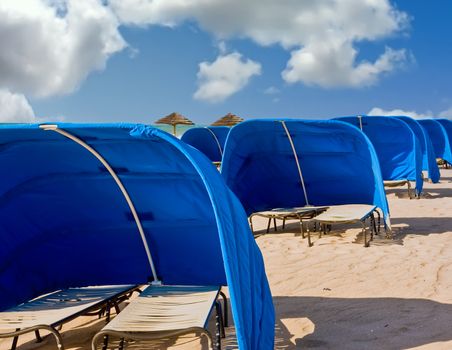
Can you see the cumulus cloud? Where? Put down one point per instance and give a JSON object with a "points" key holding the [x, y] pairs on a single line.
{"points": [[50, 46], [225, 76], [313, 66], [398, 112], [321, 35], [14, 108]]}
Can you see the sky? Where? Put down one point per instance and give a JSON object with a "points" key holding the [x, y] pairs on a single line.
{"points": [[139, 60]]}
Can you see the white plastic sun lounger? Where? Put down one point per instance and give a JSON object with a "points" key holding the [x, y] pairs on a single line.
{"points": [[348, 214], [165, 311], [53, 310]]}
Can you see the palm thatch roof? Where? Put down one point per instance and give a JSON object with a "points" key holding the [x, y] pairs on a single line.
{"points": [[228, 120], [174, 119]]}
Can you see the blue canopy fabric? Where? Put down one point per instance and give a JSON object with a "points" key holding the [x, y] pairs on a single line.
{"points": [[64, 222], [209, 140], [447, 125], [428, 154], [338, 163], [440, 138], [398, 149]]}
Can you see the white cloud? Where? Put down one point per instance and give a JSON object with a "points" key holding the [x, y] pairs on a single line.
{"points": [[321, 35], [225, 76], [398, 112], [14, 108], [49, 47], [446, 114], [271, 90], [313, 66]]}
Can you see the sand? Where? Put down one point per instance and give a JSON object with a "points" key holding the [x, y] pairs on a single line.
{"points": [[396, 294]]}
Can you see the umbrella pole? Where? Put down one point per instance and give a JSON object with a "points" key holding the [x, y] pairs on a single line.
{"points": [[174, 129]]}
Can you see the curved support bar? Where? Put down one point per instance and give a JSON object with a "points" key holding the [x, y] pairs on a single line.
{"points": [[118, 182], [53, 331]]}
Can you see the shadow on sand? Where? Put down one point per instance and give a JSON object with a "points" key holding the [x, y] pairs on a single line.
{"points": [[429, 193], [422, 226], [362, 323]]}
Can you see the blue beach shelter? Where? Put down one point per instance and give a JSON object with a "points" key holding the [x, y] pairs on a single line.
{"points": [[209, 140], [398, 148], [441, 140], [428, 154], [338, 164], [65, 222], [447, 125]]}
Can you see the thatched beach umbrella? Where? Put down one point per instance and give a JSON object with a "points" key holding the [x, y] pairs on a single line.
{"points": [[174, 119], [228, 120]]}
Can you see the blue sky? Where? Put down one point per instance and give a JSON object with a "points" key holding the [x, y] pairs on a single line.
{"points": [[151, 65]]}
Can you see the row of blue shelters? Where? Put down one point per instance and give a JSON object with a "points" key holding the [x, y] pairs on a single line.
{"points": [[64, 222], [338, 163], [209, 140], [428, 154], [441, 139], [398, 149]]}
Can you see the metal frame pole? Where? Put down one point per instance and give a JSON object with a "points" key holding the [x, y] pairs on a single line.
{"points": [[296, 160], [216, 140], [360, 119], [120, 185]]}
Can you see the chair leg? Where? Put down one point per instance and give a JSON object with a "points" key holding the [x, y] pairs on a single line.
{"points": [[107, 319], [117, 308], [283, 223], [409, 190], [373, 227], [379, 222], [38, 337], [301, 228], [251, 224], [309, 236], [15, 340], [366, 244], [269, 223], [218, 326], [274, 224], [225, 310], [221, 319], [121, 344]]}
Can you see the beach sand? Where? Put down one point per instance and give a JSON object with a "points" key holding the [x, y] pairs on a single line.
{"points": [[396, 294]]}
